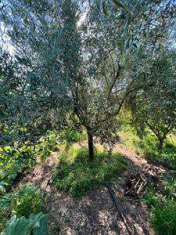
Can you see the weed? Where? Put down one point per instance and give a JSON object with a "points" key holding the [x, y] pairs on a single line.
{"points": [[164, 218]]}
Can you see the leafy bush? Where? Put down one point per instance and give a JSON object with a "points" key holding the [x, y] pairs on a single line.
{"points": [[4, 211], [35, 224], [71, 135], [76, 175], [28, 200], [46, 145], [164, 218], [151, 199], [14, 161]]}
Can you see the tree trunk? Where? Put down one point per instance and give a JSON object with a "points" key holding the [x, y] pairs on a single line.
{"points": [[90, 145], [160, 146]]}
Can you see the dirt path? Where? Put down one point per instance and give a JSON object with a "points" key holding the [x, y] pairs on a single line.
{"points": [[96, 213]]}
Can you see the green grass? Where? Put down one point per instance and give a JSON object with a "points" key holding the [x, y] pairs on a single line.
{"points": [[168, 156], [151, 198], [164, 218], [169, 182], [163, 206], [76, 175], [147, 146], [129, 137]]}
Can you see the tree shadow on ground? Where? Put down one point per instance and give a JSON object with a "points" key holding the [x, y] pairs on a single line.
{"points": [[96, 212]]}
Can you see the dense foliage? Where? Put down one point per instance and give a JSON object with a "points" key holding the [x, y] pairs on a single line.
{"points": [[21, 204], [77, 73]]}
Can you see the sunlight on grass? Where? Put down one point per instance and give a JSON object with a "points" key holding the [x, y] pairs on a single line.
{"points": [[147, 146], [76, 175]]}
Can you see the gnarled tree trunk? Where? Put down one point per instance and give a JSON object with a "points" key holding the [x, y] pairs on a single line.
{"points": [[160, 146], [90, 145]]}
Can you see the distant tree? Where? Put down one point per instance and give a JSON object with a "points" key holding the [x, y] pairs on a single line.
{"points": [[156, 101]]}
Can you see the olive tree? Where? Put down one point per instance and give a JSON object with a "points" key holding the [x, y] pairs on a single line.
{"points": [[71, 71], [155, 101], [68, 71]]}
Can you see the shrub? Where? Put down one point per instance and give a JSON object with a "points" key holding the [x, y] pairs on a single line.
{"points": [[26, 201], [35, 224], [76, 175], [151, 199], [4, 211], [164, 218], [71, 135], [46, 145], [14, 162]]}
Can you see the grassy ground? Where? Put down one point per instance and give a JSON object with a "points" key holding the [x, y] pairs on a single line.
{"points": [[147, 146], [163, 206], [77, 175]]}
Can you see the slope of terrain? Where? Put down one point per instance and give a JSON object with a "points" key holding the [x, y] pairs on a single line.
{"points": [[112, 209]]}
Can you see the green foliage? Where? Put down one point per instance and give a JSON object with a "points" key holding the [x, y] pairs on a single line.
{"points": [[168, 156], [5, 211], [28, 200], [76, 175], [147, 145], [164, 218], [14, 161], [169, 182], [155, 101], [35, 224], [70, 135], [163, 206], [151, 199], [46, 145]]}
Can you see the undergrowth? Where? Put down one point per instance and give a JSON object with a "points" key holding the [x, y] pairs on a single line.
{"points": [[77, 175], [14, 160], [146, 145], [24, 202], [71, 135], [163, 206]]}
